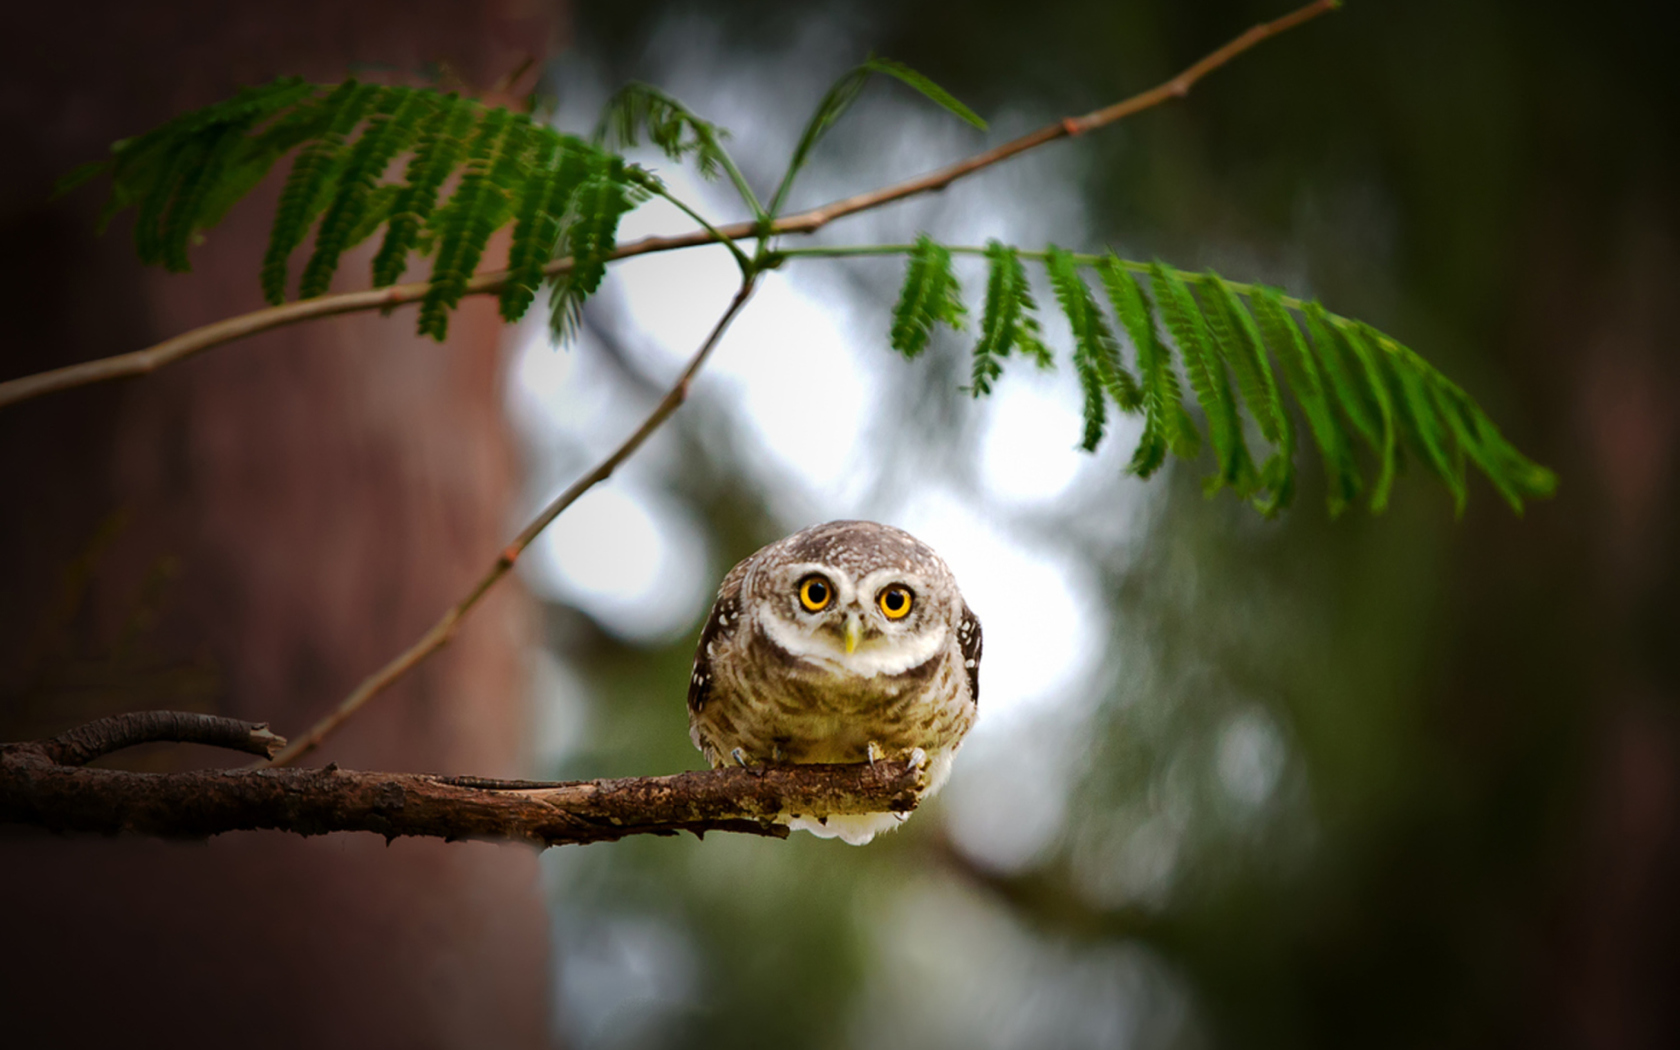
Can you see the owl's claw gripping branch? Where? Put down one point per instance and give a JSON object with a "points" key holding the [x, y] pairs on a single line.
{"points": [[38, 789]]}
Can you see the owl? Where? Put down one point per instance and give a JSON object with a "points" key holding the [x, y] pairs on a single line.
{"points": [[844, 642]]}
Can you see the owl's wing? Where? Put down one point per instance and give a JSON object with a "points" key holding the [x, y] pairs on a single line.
{"points": [[968, 640], [726, 615]]}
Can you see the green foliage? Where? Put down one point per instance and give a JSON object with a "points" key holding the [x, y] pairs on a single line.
{"points": [[559, 166], [1010, 320], [311, 185], [1301, 372], [1167, 427], [1096, 356], [1242, 348], [610, 189], [358, 208], [930, 296], [671, 126], [1238, 340], [1190, 330], [840, 97], [481, 204], [559, 191], [438, 146]]}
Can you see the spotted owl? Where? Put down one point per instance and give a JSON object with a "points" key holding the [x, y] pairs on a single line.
{"points": [[844, 642]]}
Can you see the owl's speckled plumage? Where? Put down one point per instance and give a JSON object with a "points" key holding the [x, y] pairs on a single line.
{"points": [[774, 681]]}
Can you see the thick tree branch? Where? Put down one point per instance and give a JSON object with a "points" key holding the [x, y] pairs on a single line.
{"points": [[187, 344], [37, 791], [442, 631]]}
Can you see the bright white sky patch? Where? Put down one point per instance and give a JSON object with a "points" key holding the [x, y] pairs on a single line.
{"points": [[629, 559], [786, 361], [1029, 453], [1040, 630]]}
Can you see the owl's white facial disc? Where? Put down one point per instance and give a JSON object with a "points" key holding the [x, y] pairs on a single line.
{"points": [[886, 646]]}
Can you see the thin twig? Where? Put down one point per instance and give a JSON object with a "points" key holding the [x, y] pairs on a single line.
{"points": [[187, 344], [1177, 87], [444, 629], [36, 791]]}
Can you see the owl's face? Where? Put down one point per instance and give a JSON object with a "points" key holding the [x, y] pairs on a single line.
{"points": [[861, 603]]}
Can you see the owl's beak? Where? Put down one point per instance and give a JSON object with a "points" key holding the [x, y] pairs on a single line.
{"points": [[854, 632]]}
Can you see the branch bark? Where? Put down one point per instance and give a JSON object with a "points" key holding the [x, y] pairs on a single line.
{"points": [[188, 344], [38, 791]]}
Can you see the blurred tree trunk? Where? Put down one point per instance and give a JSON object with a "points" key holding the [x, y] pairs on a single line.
{"points": [[251, 533]]}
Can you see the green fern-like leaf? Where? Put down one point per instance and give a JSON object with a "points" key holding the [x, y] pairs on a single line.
{"points": [[309, 188], [1407, 400], [376, 211], [671, 126], [160, 225], [1344, 384], [392, 127], [1513, 474], [298, 116], [1420, 415], [174, 175], [564, 195], [1238, 340], [1377, 390], [1167, 426], [1184, 321], [1301, 372], [442, 138], [464, 225], [560, 165], [598, 204], [1096, 356], [1009, 322], [840, 97], [930, 295], [928, 89]]}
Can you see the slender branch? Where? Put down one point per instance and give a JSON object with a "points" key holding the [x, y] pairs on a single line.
{"points": [[1177, 87], [85, 743], [442, 631], [187, 344], [718, 235], [36, 791], [206, 337]]}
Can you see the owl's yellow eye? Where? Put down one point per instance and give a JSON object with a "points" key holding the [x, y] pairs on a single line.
{"points": [[815, 593], [895, 601]]}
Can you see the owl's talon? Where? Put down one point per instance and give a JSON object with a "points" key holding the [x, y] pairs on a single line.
{"points": [[873, 750], [740, 758], [918, 759]]}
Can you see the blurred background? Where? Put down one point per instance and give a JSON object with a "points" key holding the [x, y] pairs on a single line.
{"points": [[1387, 781]]}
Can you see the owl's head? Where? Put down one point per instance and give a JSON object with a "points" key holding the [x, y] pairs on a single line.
{"points": [[855, 596]]}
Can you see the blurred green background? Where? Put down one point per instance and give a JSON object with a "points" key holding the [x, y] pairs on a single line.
{"points": [[1387, 781]]}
